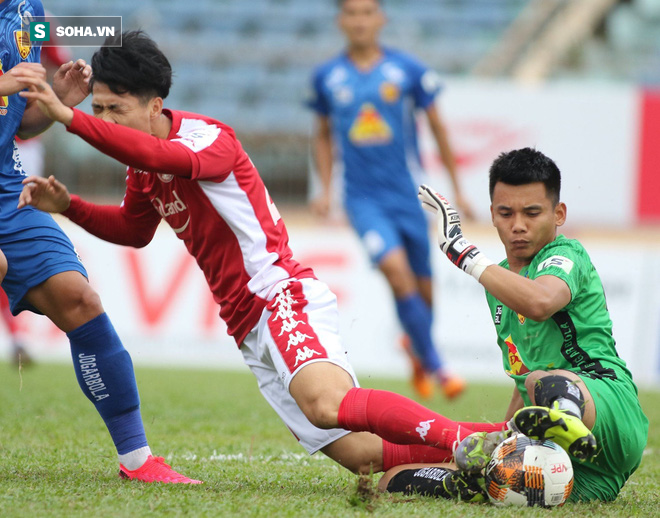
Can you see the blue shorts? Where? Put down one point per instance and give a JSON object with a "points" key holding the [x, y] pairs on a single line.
{"points": [[36, 248], [382, 230]]}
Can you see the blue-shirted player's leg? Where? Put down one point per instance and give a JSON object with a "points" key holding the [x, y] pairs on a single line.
{"points": [[385, 240], [45, 275], [103, 368], [413, 311], [413, 230]]}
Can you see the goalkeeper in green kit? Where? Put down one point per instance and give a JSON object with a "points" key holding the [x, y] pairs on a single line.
{"points": [[553, 327]]}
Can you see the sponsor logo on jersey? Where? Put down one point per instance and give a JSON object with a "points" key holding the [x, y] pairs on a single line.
{"points": [[498, 315], [169, 209], [4, 99], [393, 73], [389, 92], [369, 127], [165, 178], [423, 428], [22, 39], [557, 260], [516, 364], [343, 94], [196, 134]]}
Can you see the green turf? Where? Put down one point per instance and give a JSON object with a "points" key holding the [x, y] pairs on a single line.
{"points": [[56, 458]]}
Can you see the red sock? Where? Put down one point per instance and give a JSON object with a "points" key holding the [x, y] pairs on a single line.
{"points": [[397, 419], [397, 454]]}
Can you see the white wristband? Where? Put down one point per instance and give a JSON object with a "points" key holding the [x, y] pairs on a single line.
{"points": [[480, 263]]}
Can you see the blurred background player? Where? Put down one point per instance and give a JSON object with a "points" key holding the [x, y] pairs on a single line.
{"points": [[365, 100], [31, 152], [44, 273]]}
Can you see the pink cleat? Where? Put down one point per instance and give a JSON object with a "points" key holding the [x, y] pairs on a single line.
{"points": [[155, 470]]}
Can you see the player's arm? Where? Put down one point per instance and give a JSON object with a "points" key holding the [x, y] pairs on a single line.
{"points": [[33, 121], [441, 137], [323, 159], [9, 83], [515, 404], [131, 147], [131, 224], [537, 299], [70, 85]]}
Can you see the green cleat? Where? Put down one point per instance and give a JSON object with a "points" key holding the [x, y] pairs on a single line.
{"points": [[466, 487], [567, 430], [474, 452]]}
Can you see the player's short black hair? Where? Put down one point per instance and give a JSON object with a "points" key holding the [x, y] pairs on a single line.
{"points": [[138, 67], [523, 166]]}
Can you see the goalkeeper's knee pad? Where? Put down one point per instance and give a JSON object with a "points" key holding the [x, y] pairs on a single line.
{"points": [[562, 391]]}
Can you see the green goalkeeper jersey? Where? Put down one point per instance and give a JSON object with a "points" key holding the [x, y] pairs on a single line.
{"points": [[578, 338]]}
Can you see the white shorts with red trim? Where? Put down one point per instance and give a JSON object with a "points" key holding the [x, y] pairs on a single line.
{"points": [[299, 326]]}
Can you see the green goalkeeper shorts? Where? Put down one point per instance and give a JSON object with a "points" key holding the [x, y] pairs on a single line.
{"points": [[621, 430]]}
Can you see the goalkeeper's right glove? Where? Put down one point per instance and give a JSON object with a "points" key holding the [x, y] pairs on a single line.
{"points": [[450, 235]]}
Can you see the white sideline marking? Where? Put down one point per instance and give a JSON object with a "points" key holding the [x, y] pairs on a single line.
{"points": [[289, 458]]}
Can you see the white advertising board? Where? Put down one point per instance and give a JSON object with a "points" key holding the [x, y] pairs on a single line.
{"points": [[161, 307], [590, 130]]}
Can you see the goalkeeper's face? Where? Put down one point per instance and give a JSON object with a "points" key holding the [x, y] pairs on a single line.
{"points": [[526, 219], [125, 109]]}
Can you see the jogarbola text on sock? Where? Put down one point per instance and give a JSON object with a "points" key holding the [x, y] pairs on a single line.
{"points": [[92, 377]]}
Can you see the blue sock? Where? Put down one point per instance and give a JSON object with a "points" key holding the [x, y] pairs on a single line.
{"points": [[416, 318], [105, 374]]}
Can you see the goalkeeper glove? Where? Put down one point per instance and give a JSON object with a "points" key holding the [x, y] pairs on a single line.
{"points": [[450, 236]]}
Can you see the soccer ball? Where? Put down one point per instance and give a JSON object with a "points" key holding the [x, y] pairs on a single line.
{"points": [[526, 472]]}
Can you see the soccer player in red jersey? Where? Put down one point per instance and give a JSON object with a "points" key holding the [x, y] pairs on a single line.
{"points": [[191, 171]]}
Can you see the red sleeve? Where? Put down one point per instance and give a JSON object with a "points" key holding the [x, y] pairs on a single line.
{"points": [[140, 150], [133, 223]]}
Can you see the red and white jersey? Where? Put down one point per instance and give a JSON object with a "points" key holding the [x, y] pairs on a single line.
{"points": [[213, 198]]}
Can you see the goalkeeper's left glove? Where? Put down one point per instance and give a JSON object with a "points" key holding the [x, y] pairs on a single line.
{"points": [[450, 236]]}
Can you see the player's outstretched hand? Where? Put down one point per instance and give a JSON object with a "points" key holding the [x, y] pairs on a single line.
{"points": [[450, 235], [71, 82], [41, 91], [8, 83], [46, 194]]}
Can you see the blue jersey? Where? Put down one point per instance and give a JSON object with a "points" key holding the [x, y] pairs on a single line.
{"points": [[15, 47], [34, 245], [372, 114]]}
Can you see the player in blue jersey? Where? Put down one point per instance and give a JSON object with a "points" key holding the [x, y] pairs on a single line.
{"points": [[365, 101], [44, 274]]}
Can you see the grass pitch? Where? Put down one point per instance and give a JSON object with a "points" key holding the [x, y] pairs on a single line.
{"points": [[57, 458]]}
